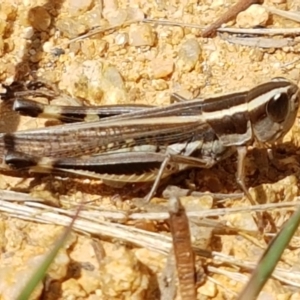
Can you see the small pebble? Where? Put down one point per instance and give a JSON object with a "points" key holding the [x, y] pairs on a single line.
{"points": [[74, 47], [134, 14], [89, 280], [76, 7], [159, 84], [122, 274], [141, 35], [115, 17], [92, 18], [47, 46], [189, 55], [161, 67], [121, 38], [71, 289], [88, 48], [28, 33], [209, 289], [177, 35], [57, 51], [32, 52], [71, 28], [39, 18], [114, 77], [59, 267], [255, 15]]}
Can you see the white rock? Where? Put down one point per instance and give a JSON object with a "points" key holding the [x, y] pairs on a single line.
{"points": [[253, 16], [76, 7], [113, 76], [121, 38], [189, 54], [141, 35], [115, 17], [28, 32], [47, 46]]}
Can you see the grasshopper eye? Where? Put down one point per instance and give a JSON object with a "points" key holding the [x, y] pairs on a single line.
{"points": [[278, 107]]}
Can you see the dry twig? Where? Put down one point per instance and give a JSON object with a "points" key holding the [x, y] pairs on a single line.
{"points": [[231, 13]]}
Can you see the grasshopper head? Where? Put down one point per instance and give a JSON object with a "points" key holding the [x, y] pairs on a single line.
{"points": [[273, 109]]}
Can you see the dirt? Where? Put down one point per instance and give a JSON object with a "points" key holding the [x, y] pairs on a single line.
{"points": [[120, 247]]}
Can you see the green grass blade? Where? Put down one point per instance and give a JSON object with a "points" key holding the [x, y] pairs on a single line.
{"points": [[41, 271], [270, 258]]}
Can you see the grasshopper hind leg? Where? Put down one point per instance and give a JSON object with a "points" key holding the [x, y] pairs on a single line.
{"points": [[240, 178]]}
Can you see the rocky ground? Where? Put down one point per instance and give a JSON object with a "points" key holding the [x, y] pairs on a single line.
{"points": [[102, 53]]}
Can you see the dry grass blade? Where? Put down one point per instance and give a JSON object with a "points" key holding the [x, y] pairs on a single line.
{"points": [[17, 196], [262, 31], [261, 42], [94, 214], [89, 224], [92, 222], [218, 211], [284, 276], [172, 189], [257, 31], [97, 31], [291, 15]]}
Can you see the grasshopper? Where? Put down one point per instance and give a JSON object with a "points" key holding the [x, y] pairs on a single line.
{"points": [[144, 144]]}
